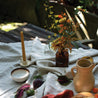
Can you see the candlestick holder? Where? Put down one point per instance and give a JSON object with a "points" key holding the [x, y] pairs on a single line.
{"points": [[24, 63]]}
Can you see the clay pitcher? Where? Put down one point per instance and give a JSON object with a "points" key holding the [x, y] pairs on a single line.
{"points": [[83, 79]]}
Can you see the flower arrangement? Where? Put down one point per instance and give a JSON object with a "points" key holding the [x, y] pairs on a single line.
{"points": [[65, 28], [66, 33]]}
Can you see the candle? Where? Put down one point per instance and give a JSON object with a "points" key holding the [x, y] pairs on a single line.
{"points": [[23, 47]]}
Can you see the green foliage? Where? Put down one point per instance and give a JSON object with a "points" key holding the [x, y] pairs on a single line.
{"points": [[37, 77]]}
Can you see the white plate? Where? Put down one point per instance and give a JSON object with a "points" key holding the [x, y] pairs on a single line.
{"points": [[20, 74]]}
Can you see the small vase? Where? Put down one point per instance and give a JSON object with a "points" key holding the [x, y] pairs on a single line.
{"points": [[62, 58]]}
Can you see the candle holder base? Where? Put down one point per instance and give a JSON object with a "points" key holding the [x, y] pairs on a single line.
{"points": [[25, 63]]}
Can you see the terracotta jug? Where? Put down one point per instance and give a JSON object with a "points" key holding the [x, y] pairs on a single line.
{"points": [[83, 79]]}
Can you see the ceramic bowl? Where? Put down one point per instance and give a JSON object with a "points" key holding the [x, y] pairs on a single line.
{"points": [[20, 74]]}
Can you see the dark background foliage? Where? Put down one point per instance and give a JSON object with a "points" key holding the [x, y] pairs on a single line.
{"points": [[33, 11]]}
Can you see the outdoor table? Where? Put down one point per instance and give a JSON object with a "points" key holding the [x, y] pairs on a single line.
{"points": [[30, 32], [42, 60]]}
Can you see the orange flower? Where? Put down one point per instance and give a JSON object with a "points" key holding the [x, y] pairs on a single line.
{"points": [[61, 31], [62, 37], [64, 14], [61, 25], [68, 20], [60, 16], [65, 28]]}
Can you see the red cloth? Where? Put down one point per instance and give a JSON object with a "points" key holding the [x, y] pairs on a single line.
{"points": [[64, 94]]}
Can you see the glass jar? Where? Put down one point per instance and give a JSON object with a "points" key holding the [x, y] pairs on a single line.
{"points": [[62, 58]]}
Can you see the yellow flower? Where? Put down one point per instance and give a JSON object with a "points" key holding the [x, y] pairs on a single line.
{"points": [[52, 25], [51, 12], [62, 20], [56, 16], [45, 5], [56, 21], [49, 16], [50, 28], [55, 34], [50, 7], [45, 9], [49, 36]]}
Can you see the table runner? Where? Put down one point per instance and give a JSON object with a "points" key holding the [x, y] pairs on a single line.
{"points": [[44, 57]]}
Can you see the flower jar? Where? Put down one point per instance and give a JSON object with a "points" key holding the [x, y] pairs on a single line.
{"points": [[62, 58]]}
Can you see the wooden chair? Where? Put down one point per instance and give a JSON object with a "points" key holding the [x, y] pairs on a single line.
{"points": [[87, 41]]}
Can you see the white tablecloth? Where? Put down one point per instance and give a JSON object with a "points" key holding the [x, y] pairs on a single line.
{"points": [[45, 60]]}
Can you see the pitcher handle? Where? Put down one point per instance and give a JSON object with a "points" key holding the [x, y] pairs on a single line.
{"points": [[72, 71]]}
